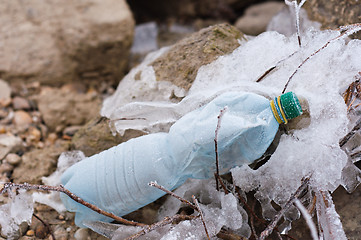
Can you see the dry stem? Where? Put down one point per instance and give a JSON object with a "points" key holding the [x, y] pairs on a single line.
{"points": [[201, 214], [288, 204], [216, 143], [26, 186]]}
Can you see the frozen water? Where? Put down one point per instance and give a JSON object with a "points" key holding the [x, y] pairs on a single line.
{"points": [[52, 199], [309, 151], [145, 38], [19, 209]]}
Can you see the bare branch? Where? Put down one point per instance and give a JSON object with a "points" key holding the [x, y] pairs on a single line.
{"points": [[164, 222], [285, 208], [61, 189], [156, 185], [344, 32], [201, 214], [216, 142]]}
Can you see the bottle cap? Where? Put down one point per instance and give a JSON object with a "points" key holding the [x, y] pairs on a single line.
{"points": [[291, 105], [285, 107]]}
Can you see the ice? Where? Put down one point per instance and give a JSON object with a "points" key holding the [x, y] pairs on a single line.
{"points": [[145, 38], [52, 199], [19, 209], [312, 150]]}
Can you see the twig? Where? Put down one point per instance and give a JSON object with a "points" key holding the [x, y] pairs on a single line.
{"points": [[308, 218], [61, 188], [345, 139], [297, 12], [156, 185], [201, 214], [216, 142], [46, 225], [253, 229], [288, 204], [344, 31], [222, 183], [312, 206], [164, 222]]}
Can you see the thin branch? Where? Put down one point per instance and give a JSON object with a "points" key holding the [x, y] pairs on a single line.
{"points": [[46, 225], [164, 222], [201, 214], [344, 32], [27, 186], [216, 142], [285, 208], [345, 139], [222, 183], [311, 225], [156, 185]]}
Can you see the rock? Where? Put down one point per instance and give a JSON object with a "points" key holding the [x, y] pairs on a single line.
{"points": [[60, 233], [53, 42], [97, 136], [6, 168], [257, 17], [60, 108], [144, 10], [9, 143], [70, 131], [22, 119], [5, 93], [82, 234], [13, 159], [38, 163], [334, 13], [20, 103], [180, 63]]}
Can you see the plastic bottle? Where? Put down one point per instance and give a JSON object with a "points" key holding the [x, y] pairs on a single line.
{"points": [[116, 180]]}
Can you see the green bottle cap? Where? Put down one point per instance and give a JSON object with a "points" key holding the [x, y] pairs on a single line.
{"points": [[290, 105]]}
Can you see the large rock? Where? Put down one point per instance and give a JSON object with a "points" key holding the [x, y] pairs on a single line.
{"points": [[96, 136], [59, 41], [334, 13], [180, 64], [63, 107], [257, 17], [144, 10]]}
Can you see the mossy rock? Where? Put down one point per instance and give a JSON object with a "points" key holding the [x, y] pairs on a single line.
{"points": [[181, 62]]}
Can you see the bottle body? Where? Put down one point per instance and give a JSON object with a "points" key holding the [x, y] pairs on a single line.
{"points": [[116, 180]]}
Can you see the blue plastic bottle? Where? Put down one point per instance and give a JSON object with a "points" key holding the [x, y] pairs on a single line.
{"points": [[116, 180]]}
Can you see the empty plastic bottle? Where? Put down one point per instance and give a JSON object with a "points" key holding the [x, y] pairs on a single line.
{"points": [[116, 180]]}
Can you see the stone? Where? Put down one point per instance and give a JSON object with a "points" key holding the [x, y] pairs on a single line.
{"points": [[70, 131], [38, 163], [188, 9], [257, 17], [5, 168], [82, 234], [60, 108], [20, 103], [97, 136], [13, 159], [22, 119], [5, 93], [9, 143], [334, 13], [179, 65], [55, 41]]}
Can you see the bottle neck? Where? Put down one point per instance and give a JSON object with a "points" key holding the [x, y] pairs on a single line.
{"points": [[278, 111]]}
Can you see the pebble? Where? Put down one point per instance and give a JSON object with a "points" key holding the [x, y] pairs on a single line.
{"points": [[22, 119], [60, 233], [41, 231], [30, 233], [13, 159], [5, 93], [34, 135], [6, 168], [20, 103], [82, 234], [70, 131]]}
